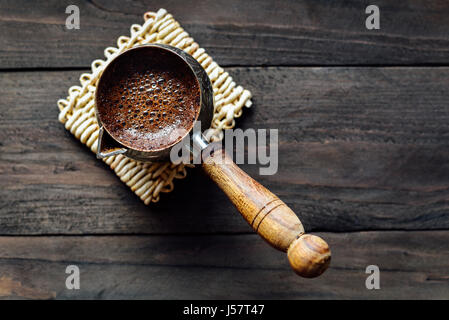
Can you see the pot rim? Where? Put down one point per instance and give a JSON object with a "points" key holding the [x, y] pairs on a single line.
{"points": [[192, 64]]}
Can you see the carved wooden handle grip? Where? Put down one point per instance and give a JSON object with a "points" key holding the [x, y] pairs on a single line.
{"points": [[269, 216]]}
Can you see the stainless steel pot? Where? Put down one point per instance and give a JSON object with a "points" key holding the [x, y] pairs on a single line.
{"points": [[109, 145]]}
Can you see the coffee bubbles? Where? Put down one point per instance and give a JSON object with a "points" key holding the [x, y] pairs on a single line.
{"points": [[142, 109]]}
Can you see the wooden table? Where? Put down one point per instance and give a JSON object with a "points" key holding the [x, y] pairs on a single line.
{"points": [[363, 121]]}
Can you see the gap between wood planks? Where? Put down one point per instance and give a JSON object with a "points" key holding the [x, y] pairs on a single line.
{"points": [[231, 66], [206, 234]]}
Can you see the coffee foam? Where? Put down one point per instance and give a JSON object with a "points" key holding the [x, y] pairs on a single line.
{"points": [[144, 104]]}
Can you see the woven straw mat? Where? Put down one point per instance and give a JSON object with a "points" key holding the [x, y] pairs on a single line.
{"points": [[148, 180]]}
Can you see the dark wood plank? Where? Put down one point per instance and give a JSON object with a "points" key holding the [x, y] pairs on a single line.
{"points": [[360, 148], [413, 265], [267, 32]]}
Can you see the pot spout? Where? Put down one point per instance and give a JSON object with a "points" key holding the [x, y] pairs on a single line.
{"points": [[107, 146]]}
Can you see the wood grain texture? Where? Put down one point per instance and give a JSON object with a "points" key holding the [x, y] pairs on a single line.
{"points": [[256, 32], [359, 148], [412, 265]]}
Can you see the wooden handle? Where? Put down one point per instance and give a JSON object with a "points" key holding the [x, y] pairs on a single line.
{"points": [[269, 216]]}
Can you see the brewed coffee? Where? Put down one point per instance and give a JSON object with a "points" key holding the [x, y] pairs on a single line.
{"points": [[149, 102]]}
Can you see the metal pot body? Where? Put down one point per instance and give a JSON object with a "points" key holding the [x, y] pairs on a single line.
{"points": [[108, 145]]}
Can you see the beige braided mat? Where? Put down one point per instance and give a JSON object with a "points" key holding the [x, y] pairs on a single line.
{"points": [[77, 111]]}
